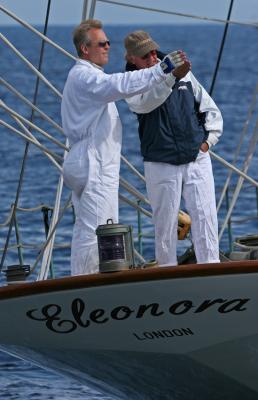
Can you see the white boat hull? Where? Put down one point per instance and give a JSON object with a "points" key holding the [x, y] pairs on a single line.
{"points": [[188, 337]]}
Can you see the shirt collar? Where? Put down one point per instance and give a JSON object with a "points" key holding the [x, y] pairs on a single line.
{"points": [[81, 61]]}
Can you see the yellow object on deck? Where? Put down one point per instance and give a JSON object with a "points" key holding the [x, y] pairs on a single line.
{"points": [[184, 225]]}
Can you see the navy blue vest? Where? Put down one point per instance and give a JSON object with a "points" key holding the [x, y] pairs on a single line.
{"points": [[174, 131]]}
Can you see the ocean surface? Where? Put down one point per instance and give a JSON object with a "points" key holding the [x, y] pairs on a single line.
{"points": [[233, 92]]}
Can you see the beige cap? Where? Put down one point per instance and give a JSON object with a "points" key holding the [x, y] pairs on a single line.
{"points": [[139, 43]]}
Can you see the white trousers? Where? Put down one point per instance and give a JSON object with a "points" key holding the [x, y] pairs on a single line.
{"points": [[94, 187], [194, 181]]}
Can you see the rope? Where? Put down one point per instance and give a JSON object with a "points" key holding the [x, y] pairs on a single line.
{"points": [[40, 207], [31, 209], [36, 246], [243, 246], [7, 221]]}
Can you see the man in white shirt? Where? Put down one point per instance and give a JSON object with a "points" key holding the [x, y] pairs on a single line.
{"points": [[178, 123], [91, 123]]}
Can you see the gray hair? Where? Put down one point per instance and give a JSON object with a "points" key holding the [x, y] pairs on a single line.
{"points": [[80, 34]]}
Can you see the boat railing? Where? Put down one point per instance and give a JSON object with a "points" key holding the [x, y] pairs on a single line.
{"points": [[47, 211]]}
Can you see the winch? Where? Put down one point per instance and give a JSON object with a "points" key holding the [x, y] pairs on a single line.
{"points": [[115, 245]]}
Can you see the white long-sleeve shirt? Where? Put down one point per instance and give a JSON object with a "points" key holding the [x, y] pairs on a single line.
{"points": [[88, 91], [91, 122]]}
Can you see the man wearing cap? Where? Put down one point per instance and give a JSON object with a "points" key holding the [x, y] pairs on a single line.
{"points": [[91, 123], [178, 123]]}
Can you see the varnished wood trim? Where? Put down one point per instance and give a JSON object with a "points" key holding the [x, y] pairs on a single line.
{"points": [[130, 276]]}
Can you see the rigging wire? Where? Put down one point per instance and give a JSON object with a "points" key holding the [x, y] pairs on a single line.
{"points": [[26, 101], [221, 48], [30, 138], [31, 125], [240, 142], [248, 159], [32, 29], [179, 14], [35, 70], [27, 143]]}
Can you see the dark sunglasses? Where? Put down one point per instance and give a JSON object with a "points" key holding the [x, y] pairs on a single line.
{"points": [[104, 43]]}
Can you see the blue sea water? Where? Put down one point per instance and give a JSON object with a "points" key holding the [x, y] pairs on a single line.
{"points": [[233, 92]]}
